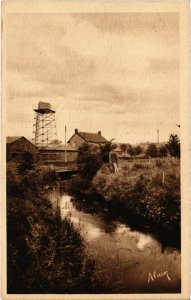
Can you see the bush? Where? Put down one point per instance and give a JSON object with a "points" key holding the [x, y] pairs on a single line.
{"points": [[152, 150], [89, 160], [26, 162], [142, 190], [45, 254], [162, 151], [173, 145]]}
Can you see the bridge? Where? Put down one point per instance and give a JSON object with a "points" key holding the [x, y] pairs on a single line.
{"points": [[65, 170], [66, 174]]}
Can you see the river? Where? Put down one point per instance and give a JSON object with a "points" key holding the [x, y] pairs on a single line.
{"points": [[128, 257]]}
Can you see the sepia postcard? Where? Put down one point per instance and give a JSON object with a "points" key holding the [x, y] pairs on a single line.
{"points": [[95, 150]]}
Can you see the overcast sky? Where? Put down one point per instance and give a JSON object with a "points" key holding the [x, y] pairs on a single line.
{"points": [[114, 72]]}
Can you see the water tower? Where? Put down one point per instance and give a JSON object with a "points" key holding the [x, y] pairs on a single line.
{"points": [[44, 125]]}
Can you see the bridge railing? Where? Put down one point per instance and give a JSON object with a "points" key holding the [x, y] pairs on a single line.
{"points": [[55, 166]]}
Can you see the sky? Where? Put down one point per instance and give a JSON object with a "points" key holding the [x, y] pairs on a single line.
{"points": [[113, 72]]}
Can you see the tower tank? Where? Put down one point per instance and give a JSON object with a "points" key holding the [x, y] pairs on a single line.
{"points": [[44, 125]]}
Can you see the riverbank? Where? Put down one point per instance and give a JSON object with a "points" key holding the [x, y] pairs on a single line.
{"points": [[45, 253], [125, 249], [150, 189]]}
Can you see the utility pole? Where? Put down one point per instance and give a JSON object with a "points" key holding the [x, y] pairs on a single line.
{"points": [[157, 136], [65, 157]]}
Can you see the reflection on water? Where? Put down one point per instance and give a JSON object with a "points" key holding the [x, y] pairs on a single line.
{"points": [[124, 256]]}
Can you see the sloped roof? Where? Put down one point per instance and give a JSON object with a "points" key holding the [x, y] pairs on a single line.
{"points": [[66, 147], [92, 137], [11, 139]]}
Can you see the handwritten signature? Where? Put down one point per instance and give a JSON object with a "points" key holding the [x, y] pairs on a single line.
{"points": [[153, 276]]}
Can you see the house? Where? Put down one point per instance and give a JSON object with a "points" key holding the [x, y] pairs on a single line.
{"points": [[18, 144], [58, 154], [79, 138]]}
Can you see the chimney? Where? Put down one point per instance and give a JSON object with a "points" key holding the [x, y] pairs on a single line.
{"points": [[76, 130], [99, 132]]}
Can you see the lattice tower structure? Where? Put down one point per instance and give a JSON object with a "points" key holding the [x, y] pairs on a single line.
{"points": [[44, 125]]}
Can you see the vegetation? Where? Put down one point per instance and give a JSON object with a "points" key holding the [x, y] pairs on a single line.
{"points": [[90, 159], [172, 148], [150, 189], [137, 150], [132, 151], [45, 254], [162, 151], [123, 147], [152, 150], [173, 145]]}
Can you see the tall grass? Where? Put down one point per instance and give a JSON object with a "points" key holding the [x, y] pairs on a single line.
{"points": [[150, 189], [45, 254]]}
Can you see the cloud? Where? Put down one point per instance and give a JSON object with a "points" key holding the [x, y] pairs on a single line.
{"points": [[121, 23], [122, 65]]}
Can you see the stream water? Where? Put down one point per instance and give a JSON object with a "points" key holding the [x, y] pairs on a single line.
{"points": [[129, 257]]}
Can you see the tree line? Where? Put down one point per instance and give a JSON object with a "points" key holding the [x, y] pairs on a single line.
{"points": [[172, 147]]}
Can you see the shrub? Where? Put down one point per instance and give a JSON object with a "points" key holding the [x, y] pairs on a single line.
{"points": [[173, 145], [89, 160], [26, 162], [142, 190], [45, 254], [163, 151], [152, 150]]}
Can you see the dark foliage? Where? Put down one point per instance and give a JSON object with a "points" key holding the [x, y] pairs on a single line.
{"points": [[123, 147], [162, 151], [173, 145], [138, 150], [26, 162], [152, 150], [45, 254], [105, 151], [130, 150], [150, 190], [91, 158]]}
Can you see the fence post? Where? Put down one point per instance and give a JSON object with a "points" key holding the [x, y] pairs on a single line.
{"points": [[163, 177]]}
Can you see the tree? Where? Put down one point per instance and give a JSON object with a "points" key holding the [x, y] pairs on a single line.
{"points": [[138, 150], [92, 157], [123, 147], [130, 150], [26, 162], [173, 145], [105, 150], [152, 150], [162, 151], [89, 160]]}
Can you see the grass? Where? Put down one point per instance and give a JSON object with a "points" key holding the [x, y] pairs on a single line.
{"points": [[45, 254], [150, 188]]}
